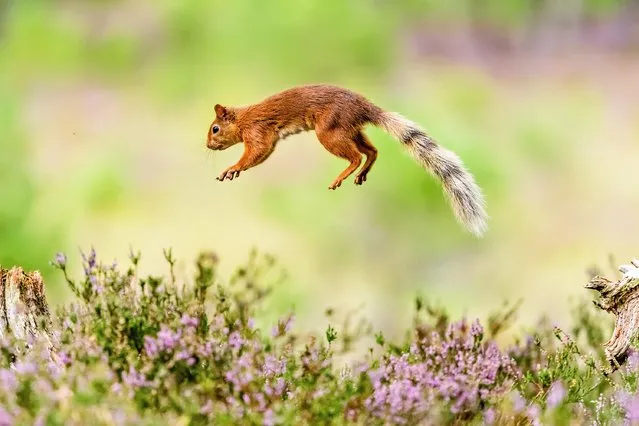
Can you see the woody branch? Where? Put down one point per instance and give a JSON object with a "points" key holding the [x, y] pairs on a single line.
{"points": [[24, 312], [620, 298]]}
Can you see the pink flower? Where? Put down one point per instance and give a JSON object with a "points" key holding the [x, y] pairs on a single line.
{"points": [[556, 394], [189, 321]]}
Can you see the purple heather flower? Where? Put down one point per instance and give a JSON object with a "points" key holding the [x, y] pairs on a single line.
{"points": [[90, 260], [250, 324], [632, 362], [5, 418], [280, 385], [205, 350], [239, 412], [533, 413], [39, 420], [631, 406], [22, 367], [189, 321], [232, 377], [489, 416], [116, 387], [245, 360], [454, 369], [235, 340], [257, 346], [276, 389], [519, 403], [361, 367], [119, 417], [273, 367], [8, 380], [135, 379], [43, 387], [65, 358], [476, 330], [218, 322], [95, 283], [261, 401], [269, 418], [283, 326], [54, 369], [183, 354], [556, 394], [168, 339], [67, 323], [60, 260], [207, 408], [289, 323], [151, 346], [622, 397]]}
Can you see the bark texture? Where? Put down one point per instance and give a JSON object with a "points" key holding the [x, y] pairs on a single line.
{"points": [[620, 298], [24, 312]]}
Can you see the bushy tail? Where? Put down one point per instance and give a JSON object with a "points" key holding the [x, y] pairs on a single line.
{"points": [[459, 185]]}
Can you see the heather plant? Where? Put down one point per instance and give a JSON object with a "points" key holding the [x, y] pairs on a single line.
{"points": [[195, 351], [163, 350], [441, 377]]}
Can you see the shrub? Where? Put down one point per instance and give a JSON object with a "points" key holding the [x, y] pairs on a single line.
{"points": [[153, 350]]}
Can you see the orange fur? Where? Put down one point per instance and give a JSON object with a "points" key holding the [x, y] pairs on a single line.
{"points": [[338, 117]]}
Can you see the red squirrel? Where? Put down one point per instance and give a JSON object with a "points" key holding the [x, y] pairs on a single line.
{"points": [[338, 116]]}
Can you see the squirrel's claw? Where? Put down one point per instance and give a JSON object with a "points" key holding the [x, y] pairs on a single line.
{"points": [[228, 174], [335, 185]]}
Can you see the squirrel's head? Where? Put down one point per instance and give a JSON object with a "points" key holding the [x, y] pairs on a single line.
{"points": [[223, 132]]}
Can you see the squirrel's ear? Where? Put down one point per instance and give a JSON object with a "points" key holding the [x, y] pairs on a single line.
{"points": [[220, 111], [224, 113]]}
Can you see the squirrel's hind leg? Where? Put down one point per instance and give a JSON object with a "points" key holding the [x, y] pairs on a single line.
{"points": [[341, 145], [365, 146]]}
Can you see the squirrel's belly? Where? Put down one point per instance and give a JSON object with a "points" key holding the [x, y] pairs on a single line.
{"points": [[293, 130]]}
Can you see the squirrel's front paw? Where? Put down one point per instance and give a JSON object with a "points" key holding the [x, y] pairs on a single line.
{"points": [[228, 174]]}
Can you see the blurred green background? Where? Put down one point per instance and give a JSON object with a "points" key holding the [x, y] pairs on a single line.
{"points": [[104, 108]]}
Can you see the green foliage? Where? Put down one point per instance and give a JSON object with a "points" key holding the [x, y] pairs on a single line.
{"points": [[161, 351]]}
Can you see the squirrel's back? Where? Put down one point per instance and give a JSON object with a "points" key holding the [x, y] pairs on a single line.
{"points": [[306, 105]]}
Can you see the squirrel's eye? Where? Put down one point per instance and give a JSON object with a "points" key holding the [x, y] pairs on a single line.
{"points": [[216, 129]]}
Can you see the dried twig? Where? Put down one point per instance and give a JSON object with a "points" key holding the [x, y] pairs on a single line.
{"points": [[620, 298]]}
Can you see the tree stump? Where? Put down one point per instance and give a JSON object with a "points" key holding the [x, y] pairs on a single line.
{"points": [[620, 298], [24, 312]]}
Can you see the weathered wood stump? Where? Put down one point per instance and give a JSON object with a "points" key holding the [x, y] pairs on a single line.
{"points": [[24, 312], [620, 298]]}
